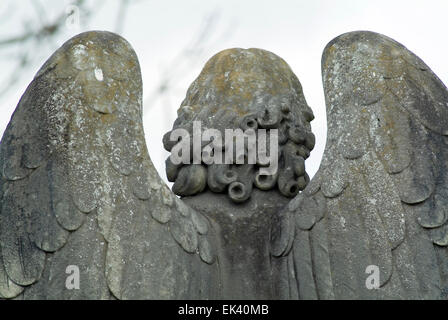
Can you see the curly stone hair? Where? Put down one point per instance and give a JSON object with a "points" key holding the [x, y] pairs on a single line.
{"points": [[247, 89]]}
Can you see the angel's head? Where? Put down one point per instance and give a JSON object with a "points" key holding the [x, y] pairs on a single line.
{"points": [[253, 92]]}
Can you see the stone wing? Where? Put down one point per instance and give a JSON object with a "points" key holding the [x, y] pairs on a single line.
{"points": [[78, 190], [379, 199]]}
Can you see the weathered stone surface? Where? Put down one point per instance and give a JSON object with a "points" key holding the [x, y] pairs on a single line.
{"points": [[78, 189], [380, 191], [246, 89], [243, 231]]}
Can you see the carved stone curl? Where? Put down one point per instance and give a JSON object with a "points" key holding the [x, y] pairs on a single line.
{"points": [[245, 89]]}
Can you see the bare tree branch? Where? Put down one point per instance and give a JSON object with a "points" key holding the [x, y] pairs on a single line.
{"points": [[45, 30], [40, 32], [186, 58]]}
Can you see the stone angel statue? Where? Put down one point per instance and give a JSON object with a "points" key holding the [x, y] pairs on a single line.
{"points": [[84, 214]]}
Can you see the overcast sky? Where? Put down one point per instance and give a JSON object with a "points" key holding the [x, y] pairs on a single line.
{"points": [[297, 31]]}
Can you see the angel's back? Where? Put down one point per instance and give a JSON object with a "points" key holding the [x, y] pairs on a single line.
{"points": [[84, 214]]}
